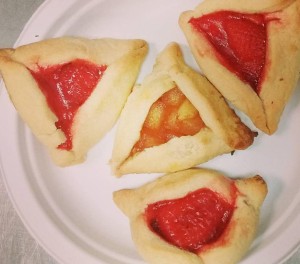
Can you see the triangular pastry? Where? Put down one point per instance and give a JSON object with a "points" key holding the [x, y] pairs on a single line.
{"points": [[70, 91], [175, 120], [250, 50], [195, 216]]}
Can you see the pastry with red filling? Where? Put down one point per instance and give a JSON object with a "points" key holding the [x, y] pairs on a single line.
{"points": [[70, 91], [250, 50], [175, 120], [194, 216]]}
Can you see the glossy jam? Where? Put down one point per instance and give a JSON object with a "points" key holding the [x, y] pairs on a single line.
{"points": [[172, 115], [190, 222], [241, 41], [66, 87]]}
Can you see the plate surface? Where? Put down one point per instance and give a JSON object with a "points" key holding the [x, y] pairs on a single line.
{"points": [[70, 211]]}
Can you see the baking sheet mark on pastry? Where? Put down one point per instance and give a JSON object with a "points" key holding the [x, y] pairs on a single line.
{"points": [[194, 216], [175, 120], [241, 51], [64, 89]]}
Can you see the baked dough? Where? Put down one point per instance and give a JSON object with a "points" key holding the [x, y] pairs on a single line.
{"points": [[98, 113], [247, 196], [282, 57], [223, 131]]}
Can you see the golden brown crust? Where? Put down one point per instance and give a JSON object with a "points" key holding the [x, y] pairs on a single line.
{"points": [[283, 61], [91, 122], [239, 233], [223, 133]]}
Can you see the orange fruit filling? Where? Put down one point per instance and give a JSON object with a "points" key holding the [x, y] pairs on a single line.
{"points": [[172, 115]]}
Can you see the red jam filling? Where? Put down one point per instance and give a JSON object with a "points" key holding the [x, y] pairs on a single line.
{"points": [[66, 87], [240, 39], [190, 222]]}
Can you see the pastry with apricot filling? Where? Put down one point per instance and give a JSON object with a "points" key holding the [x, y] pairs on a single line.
{"points": [[175, 120], [250, 50], [70, 91], [194, 216]]}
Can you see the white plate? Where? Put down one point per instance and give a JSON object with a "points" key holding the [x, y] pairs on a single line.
{"points": [[70, 211]]}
